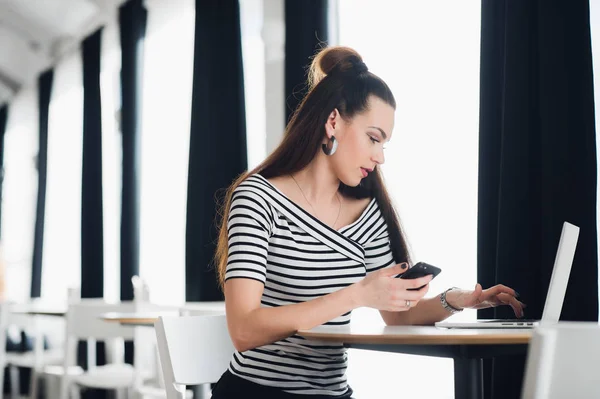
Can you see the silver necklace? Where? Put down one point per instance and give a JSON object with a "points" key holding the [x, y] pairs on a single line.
{"points": [[313, 209]]}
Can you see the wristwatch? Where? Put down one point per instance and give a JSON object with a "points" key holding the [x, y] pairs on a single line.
{"points": [[445, 303]]}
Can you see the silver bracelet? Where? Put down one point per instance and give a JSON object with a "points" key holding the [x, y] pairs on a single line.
{"points": [[445, 303]]}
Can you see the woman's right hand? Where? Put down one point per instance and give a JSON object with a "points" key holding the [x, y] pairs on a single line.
{"points": [[381, 290]]}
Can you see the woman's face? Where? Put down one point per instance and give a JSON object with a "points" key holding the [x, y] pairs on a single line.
{"points": [[361, 141]]}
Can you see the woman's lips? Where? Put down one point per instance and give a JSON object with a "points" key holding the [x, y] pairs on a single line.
{"points": [[364, 171]]}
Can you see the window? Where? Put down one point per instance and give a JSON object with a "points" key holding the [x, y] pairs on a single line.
{"points": [[110, 94], [253, 50], [166, 113], [19, 192], [428, 53], [61, 258]]}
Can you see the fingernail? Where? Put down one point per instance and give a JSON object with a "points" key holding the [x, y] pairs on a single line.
{"points": [[403, 265], [517, 294]]}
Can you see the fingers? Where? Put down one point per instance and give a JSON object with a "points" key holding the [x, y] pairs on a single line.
{"points": [[415, 283], [515, 304], [501, 294], [416, 295], [402, 305], [401, 292], [394, 271], [501, 289], [475, 297], [402, 300]]}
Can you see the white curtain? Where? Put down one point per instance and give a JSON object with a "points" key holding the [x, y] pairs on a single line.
{"points": [[19, 192], [110, 93], [166, 113], [428, 53], [61, 259]]}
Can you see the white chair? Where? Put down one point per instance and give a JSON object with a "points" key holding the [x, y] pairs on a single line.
{"points": [[36, 359], [148, 383], [562, 362], [84, 322], [155, 387], [148, 380], [3, 326], [193, 350]]}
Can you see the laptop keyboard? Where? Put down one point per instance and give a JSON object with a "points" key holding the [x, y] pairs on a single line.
{"points": [[508, 321]]}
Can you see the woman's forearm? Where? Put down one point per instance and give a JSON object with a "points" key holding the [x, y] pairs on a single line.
{"points": [[267, 325], [426, 312]]}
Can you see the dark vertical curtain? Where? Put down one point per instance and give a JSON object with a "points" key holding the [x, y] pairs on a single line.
{"points": [[3, 120], [92, 221], [537, 161], [132, 21], [92, 244], [305, 33], [44, 91], [217, 137]]}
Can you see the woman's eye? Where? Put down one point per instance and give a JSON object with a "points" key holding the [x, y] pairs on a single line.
{"points": [[373, 139]]}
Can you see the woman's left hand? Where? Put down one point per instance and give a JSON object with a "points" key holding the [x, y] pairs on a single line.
{"points": [[481, 299]]}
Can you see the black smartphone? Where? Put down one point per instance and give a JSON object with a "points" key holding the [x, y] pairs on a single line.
{"points": [[420, 269]]}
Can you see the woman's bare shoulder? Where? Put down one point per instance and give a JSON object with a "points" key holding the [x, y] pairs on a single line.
{"points": [[357, 203], [353, 208]]}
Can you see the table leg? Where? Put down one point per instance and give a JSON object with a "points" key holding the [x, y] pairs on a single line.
{"points": [[468, 378], [201, 391]]}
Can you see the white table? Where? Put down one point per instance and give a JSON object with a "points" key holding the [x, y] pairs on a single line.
{"points": [[468, 347]]}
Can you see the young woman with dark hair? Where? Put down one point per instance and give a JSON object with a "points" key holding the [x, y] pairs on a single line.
{"points": [[311, 234]]}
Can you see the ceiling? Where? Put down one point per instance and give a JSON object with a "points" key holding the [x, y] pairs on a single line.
{"points": [[34, 34]]}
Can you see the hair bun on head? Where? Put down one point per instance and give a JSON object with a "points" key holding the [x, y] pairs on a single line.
{"points": [[334, 60], [360, 67]]}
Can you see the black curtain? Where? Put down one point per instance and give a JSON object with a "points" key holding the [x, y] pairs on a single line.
{"points": [[92, 244], [305, 33], [217, 138], [537, 161], [3, 119], [44, 91], [132, 21]]}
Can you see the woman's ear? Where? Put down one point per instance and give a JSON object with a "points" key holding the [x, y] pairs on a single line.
{"points": [[332, 122]]}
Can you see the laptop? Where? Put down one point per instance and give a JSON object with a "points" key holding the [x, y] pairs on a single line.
{"points": [[556, 290]]}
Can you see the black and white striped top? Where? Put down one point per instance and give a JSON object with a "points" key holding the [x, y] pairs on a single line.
{"points": [[298, 258]]}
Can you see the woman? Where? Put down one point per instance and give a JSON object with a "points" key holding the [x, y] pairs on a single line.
{"points": [[311, 234]]}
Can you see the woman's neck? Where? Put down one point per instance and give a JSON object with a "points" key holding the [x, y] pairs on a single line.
{"points": [[318, 182]]}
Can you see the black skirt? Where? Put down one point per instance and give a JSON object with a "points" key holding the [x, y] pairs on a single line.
{"points": [[231, 386]]}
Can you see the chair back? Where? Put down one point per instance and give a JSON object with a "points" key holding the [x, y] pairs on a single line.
{"points": [[193, 350], [22, 321], [562, 362], [84, 320], [18, 321]]}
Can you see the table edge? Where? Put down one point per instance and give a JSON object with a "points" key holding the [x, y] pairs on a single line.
{"points": [[419, 339]]}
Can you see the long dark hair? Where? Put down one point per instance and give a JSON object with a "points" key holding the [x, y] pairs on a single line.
{"points": [[338, 79]]}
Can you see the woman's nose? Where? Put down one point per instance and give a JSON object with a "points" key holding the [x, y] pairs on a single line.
{"points": [[379, 158]]}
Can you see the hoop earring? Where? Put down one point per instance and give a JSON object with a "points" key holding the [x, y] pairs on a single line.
{"points": [[334, 145]]}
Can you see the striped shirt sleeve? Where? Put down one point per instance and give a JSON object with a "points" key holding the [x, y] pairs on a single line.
{"points": [[378, 253], [248, 228]]}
